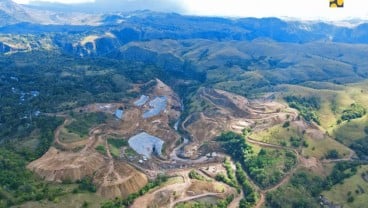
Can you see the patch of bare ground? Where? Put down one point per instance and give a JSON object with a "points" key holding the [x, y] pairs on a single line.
{"points": [[312, 164], [74, 160], [212, 170], [60, 166], [189, 189], [120, 181]]}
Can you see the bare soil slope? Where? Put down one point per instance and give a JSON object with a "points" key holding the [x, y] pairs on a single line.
{"points": [[59, 166], [122, 181]]}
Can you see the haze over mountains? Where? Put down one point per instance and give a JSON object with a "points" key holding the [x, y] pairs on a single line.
{"points": [[13, 13], [172, 41], [171, 25], [104, 6]]}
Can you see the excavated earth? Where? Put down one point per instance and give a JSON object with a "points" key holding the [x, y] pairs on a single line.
{"points": [[116, 178], [112, 178], [226, 111], [60, 166], [124, 180]]}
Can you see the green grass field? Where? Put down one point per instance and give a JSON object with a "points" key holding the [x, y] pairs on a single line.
{"points": [[355, 188], [115, 152], [277, 135], [348, 132], [69, 136], [84, 122], [115, 145], [319, 147], [334, 99]]}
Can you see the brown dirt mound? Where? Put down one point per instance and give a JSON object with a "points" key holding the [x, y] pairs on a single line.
{"points": [[59, 166], [119, 182]]}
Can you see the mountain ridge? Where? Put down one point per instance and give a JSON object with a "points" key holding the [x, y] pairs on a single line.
{"points": [[84, 34]]}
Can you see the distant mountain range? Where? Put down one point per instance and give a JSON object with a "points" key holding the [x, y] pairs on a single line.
{"points": [[95, 34], [12, 13]]}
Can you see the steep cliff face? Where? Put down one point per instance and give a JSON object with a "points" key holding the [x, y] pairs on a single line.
{"points": [[59, 166]]}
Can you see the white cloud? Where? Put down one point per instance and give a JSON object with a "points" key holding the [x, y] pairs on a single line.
{"points": [[55, 1], [303, 9]]}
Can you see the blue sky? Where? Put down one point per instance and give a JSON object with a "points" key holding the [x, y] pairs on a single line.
{"points": [[307, 9]]}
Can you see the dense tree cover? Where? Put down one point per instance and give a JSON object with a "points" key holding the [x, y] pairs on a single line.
{"points": [[286, 124], [235, 145], [341, 171], [229, 178], [360, 146], [366, 130], [296, 141], [355, 111], [269, 166], [314, 184], [307, 106], [332, 154], [101, 149], [17, 184], [250, 195], [307, 102], [195, 175], [46, 125], [86, 184], [223, 178], [263, 168], [118, 202], [118, 143], [48, 82]]}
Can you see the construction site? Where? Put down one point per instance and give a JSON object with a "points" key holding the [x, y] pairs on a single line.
{"points": [[148, 129]]}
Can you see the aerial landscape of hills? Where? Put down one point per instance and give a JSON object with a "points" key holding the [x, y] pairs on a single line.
{"points": [[118, 108]]}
